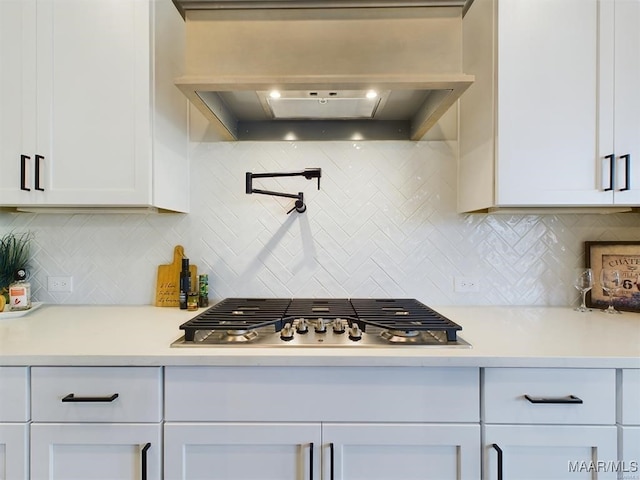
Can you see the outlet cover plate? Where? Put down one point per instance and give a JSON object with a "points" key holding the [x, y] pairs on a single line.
{"points": [[466, 284], [60, 284]]}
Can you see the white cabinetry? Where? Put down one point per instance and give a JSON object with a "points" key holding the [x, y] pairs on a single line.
{"points": [[553, 110], [629, 419], [549, 423], [14, 427], [241, 451], [370, 421], [414, 451], [96, 423], [90, 116]]}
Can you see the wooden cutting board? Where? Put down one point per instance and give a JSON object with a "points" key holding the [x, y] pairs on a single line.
{"points": [[168, 282]]}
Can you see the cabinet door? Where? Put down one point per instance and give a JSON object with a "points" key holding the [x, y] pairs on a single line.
{"points": [[627, 100], [630, 448], [95, 451], [547, 104], [17, 96], [13, 451], [550, 452], [93, 102], [241, 451], [401, 451]]}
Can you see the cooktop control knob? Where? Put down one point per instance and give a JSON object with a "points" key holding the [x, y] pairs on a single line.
{"points": [[321, 326], [338, 326], [355, 333], [286, 333], [302, 326]]}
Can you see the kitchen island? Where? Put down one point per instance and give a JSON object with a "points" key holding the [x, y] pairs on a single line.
{"points": [[499, 337], [88, 391]]}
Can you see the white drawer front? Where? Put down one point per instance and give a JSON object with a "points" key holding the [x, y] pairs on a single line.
{"points": [[505, 401], [92, 391], [14, 394], [394, 394], [630, 397]]}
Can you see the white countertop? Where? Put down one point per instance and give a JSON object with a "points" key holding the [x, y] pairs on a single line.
{"points": [[500, 336]]}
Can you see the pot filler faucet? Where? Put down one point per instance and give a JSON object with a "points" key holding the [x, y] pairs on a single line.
{"points": [[299, 206]]}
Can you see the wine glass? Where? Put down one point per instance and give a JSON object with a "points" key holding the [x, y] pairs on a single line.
{"points": [[610, 283], [583, 281]]}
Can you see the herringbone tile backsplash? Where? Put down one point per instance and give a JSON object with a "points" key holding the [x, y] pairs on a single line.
{"points": [[383, 224]]}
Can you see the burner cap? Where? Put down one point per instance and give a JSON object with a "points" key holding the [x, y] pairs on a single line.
{"points": [[238, 336], [400, 336]]}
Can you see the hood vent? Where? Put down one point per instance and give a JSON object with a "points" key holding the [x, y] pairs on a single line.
{"points": [[310, 70]]}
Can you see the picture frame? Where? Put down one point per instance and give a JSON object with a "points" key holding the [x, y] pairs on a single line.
{"points": [[625, 255]]}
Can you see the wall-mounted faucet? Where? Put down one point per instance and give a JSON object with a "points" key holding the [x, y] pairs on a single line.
{"points": [[299, 206]]}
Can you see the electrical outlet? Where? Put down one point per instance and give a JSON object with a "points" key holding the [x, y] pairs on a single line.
{"points": [[59, 284], [466, 284]]}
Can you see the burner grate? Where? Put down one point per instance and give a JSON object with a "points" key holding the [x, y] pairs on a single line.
{"points": [[312, 308], [402, 315], [236, 314]]}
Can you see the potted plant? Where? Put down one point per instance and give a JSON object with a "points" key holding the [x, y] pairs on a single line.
{"points": [[14, 254]]}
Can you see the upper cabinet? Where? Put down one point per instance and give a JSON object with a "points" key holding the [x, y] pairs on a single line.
{"points": [[90, 115], [553, 118]]}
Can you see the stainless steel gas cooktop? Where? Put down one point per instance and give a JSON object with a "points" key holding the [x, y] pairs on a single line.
{"points": [[316, 322]]}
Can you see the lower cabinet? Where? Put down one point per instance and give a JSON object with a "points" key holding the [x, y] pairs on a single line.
{"points": [[96, 451], [90, 423], [14, 451], [558, 452], [296, 451], [349, 423], [322, 423], [400, 451], [550, 423], [14, 423], [241, 451]]}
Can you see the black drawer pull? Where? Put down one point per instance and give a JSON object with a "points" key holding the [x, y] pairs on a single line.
{"points": [[38, 174], [567, 399], [23, 172], [72, 398], [332, 459], [627, 167], [144, 461], [612, 171], [499, 450]]}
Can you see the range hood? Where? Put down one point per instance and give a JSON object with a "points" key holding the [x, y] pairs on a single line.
{"points": [[309, 70]]}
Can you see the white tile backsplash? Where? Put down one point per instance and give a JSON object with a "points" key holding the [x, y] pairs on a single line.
{"points": [[382, 224]]}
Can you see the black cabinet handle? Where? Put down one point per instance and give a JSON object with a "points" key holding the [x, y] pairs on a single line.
{"points": [[331, 460], [311, 461], [37, 180], [627, 168], [72, 398], [567, 399], [23, 172], [144, 461], [612, 171], [499, 450]]}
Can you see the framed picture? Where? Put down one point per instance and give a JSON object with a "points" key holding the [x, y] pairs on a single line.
{"points": [[620, 255]]}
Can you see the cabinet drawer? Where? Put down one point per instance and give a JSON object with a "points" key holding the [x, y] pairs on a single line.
{"points": [[96, 394], [14, 394], [505, 401], [630, 397], [353, 394]]}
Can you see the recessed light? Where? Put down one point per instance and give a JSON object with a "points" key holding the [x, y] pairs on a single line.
{"points": [[372, 94], [274, 94]]}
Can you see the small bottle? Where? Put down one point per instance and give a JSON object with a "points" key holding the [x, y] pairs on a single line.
{"points": [[20, 292], [185, 284], [203, 290], [192, 301]]}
